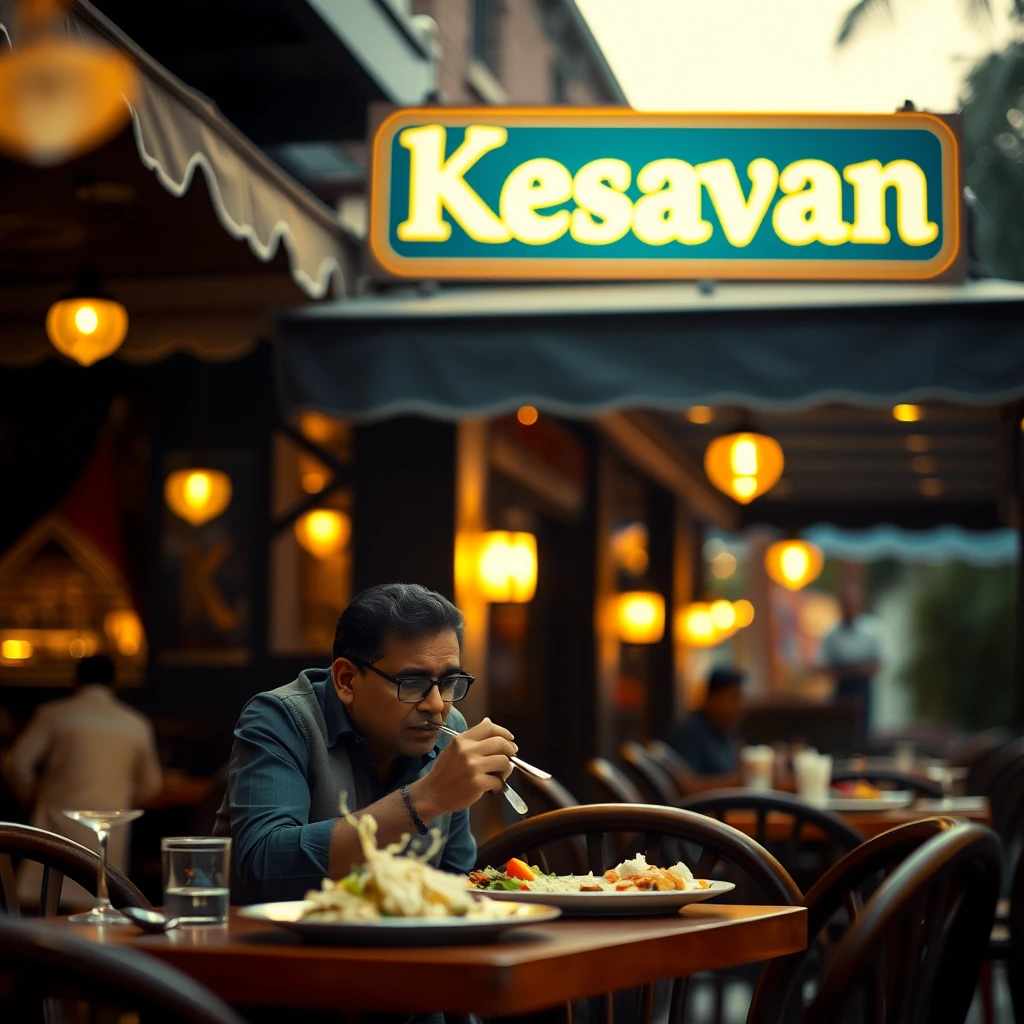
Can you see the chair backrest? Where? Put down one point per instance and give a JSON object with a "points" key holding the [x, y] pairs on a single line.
{"points": [[671, 761], [38, 962], [598, 822], [914, 955], [990, 761], [917, 784], [970, 750], [805, 839], [654, 782], [1015, 953], [59, 857], [837, 897], [546, 794], [612, 783]]}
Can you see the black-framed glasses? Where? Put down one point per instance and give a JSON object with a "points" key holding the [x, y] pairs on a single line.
{"points": [[413, 689]]}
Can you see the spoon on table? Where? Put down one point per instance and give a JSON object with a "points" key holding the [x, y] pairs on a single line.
{"points": [[517, 802], [150, 920]]}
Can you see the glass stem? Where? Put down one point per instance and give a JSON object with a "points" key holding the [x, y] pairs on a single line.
{"points": [[102, 899]]}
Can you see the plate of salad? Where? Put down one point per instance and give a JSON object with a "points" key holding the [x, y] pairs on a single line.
{"points": [[634, 887]]}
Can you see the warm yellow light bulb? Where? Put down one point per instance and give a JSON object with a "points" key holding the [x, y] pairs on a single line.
{"points": [[16, 650], [323, 531], [197, 489], [744, 613], [700, 414], [86, 320], [906, 413], [743, 458], [794, 563], [744, 486], [507, 567], [723, 615], [527, 415], [696, 627], [641, 617]]}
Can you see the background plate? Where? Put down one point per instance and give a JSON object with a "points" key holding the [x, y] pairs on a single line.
{"points": [[617, 904], [894, 799], [398, 931]]}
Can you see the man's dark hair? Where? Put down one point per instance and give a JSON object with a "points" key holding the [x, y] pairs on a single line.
{"points": [[723, 677], [96, 669], [404, 611]]}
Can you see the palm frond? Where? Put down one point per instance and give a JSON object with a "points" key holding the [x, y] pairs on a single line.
{"points": [[859, 12]]}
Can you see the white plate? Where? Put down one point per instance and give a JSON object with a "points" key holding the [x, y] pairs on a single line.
{"points": [[616, 904], [398, 931], [889, 800]]}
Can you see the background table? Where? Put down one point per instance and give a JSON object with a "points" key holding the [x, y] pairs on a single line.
{"points": [[873, 823], [255, 964]]}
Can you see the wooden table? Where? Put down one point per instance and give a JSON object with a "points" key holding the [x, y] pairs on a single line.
{"points": [[252, 963], [873, 823]]}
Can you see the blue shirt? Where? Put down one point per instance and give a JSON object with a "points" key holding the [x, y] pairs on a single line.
{"points": [[278, 853], [703, 746]]}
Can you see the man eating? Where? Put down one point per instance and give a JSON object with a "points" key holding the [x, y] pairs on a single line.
{"points": [[363, 730]]}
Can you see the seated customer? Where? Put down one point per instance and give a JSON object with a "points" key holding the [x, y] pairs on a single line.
{"points": [[362, 730], [707, 739]]}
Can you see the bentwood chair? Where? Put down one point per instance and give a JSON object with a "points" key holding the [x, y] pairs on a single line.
{"points": [[805, 839], [705, 844], [671, 762], [38, 963], [917, 784], [611, 782], [914, 955], [834, 904], [546, 794], [59, 858], [987, 765], [653, 781]]}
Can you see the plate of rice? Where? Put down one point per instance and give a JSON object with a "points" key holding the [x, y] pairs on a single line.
{"points": [[632, 888]]}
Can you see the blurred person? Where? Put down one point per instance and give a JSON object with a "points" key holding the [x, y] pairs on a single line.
{"points": [[851, 654], [707, 740], [362, 730], [89, 750]]}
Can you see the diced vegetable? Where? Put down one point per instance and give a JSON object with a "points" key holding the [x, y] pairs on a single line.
{"points": [[519, 869], [506, 884]]}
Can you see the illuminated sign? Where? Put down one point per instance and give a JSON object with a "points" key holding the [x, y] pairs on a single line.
{"points": [[491, 193]]}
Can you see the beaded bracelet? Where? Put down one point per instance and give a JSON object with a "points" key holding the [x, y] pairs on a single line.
{"points": [[411, 807]]}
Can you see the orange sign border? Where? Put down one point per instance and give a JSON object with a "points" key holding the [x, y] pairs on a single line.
{"points": [[559, 268]]}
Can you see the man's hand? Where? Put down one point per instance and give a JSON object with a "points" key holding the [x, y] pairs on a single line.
{"points": [[473, 763]]}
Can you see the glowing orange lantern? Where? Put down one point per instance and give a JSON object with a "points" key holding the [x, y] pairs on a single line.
{"points": [[793, 563], [744, 465]]}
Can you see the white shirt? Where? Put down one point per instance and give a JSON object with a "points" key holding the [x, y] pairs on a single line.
{"points": [[856, 644], [88, 750]]}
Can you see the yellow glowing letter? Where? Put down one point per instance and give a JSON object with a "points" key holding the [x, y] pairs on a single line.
{"points": [[870, 180], [436, 183], [598, 190], [532, 186], [669, 209], [812, 208], [740, 217]]}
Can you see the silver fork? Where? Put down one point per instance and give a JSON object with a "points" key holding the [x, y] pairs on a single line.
{"points": [[517, 802]]}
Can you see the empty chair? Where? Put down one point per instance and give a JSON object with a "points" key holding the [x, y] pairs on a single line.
{"points": [[651, 779], [670, 761], [545, 795], [891, 779], [914, 954], [59, 857], [612, 783], [805, 839], [38, 963], [835, 902], [988, 761], [709, 844]]}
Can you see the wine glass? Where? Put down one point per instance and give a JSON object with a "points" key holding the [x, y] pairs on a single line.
{"points": [[101, 822]]}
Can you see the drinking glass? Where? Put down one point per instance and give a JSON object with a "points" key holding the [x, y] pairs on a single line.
{"points": [[196, 873], [101, 822]]}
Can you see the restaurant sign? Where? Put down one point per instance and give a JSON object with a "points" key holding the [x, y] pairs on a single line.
{"points": [[564, 194]]}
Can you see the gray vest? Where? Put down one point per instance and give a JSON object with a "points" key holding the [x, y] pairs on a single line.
{"points": [[330, 772]]}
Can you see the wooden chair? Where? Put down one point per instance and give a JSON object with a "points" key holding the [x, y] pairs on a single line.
{"points": [[833, 904], [39, 963], [59, 857], [917, 784], [546, 794], [1015, 946], [987, 765], [805, 839], [915, 952], [712, 844], [612, 783], [653, 781], [671, 762]]}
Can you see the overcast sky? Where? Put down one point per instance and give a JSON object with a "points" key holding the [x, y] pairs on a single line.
{"points": [[765, 55]]}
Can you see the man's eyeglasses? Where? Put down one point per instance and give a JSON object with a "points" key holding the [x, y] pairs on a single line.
{"points": [[413, 689]]}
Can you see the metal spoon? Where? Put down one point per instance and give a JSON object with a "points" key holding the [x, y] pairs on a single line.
{"points": [[150, 920], [517, 802]]}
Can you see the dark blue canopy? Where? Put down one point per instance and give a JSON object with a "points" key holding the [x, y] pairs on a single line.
{"points": [[583, 350]]}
